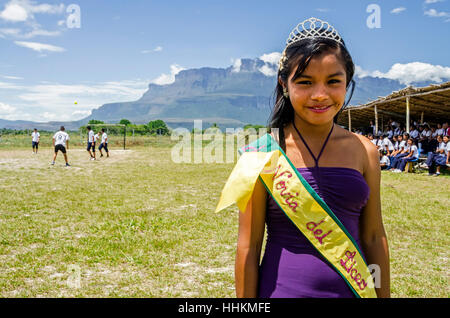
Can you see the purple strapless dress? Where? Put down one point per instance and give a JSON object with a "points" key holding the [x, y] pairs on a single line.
{"points": [[291, 266]]}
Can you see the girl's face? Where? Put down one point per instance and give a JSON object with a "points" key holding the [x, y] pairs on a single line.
{"points": [[319, 93], [445, 139], [410, 142]]}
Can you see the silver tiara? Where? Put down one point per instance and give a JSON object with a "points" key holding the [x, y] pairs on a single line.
{"points": [[310, 28]]}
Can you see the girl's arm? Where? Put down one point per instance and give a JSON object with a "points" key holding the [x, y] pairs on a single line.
{"points": [[372, 233], [251, 234]]}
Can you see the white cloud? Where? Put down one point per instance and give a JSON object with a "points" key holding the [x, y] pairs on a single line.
{"points": [[323, 9], [14, 12], [268, 70], [78, 114], [271, 58], [12, 77], [398, 10], [54, 101], [9, 32], [270, 67], [237, 63], [22, 12], [39, 47], [6, 109], [410, 72], [156, 49], [432, 1], [165, 79], [435, 14]]}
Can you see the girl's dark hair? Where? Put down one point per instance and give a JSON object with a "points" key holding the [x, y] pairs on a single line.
{"points": [[299, 55]]}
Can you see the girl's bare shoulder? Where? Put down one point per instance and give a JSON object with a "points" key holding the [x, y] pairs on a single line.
{"points": [[357, 146]]}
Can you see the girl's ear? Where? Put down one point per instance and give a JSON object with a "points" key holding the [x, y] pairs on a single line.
{"points": [[280, 81]]}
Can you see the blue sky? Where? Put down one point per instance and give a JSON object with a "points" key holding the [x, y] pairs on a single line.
{"points": [[122, 46]]}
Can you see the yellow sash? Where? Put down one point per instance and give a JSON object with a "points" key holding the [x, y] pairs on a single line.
{"points": [[302, 205]]}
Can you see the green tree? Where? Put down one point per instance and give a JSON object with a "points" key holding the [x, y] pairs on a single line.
{"points": [[158, 127], [95, 122], [125, 122]]}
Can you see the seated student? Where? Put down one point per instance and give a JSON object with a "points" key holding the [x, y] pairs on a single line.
{"points": [[438, 158], [424, 138], [379, 143], [414, 133], [384, 160], [434, 132], [446, 129], [440, 130], [370, 137], [404, 149], [387, 144], [399, 146], [390, 132], [413, 154]]}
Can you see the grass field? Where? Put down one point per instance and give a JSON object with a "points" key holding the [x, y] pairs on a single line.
{"points": [[138, 225]]}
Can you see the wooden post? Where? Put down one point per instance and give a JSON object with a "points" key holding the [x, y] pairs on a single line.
{"points": [[407, 114], [376, 119], [421, 118], [349, 121], [124, 136]]}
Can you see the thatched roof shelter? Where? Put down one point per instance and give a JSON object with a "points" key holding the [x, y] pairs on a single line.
{"points": [[430, 104]]}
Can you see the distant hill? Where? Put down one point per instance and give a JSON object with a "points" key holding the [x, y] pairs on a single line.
{"points": [[230, 97]]}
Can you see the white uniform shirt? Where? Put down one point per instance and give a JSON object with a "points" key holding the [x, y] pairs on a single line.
{"points": [[60, 138], [440, 131], [388, 143], [104, 137], [447, 148], [402, 145], [415, 151], [396, 144], [390, 134], [35, 136], [426, 133], [96, 137], [414, 134], [91, 136], [385, 159], [380, 144]]}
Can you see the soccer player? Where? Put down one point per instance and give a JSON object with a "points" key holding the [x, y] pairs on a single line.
{"points": [[91, 142], [35, 138], [60, 142], [104, 144]]}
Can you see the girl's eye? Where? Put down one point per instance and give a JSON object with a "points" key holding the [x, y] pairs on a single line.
{"points": [[334, 81], [304, 82]]}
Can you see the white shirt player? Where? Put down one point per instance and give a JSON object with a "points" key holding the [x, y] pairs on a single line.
{"points": [[91, 136], [60, 138], [96, 136], [35, 136], [104, 138]]}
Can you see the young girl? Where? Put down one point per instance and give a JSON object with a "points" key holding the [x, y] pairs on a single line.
{"points": [[413, 154], [343, 168]]}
